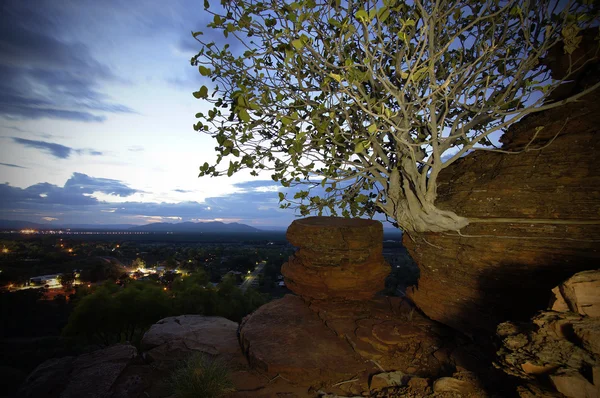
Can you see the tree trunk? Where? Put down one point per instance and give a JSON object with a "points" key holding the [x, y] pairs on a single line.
{"points": [[414, 213]]}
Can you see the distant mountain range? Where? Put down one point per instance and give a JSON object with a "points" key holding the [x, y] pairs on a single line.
{"points": [[188, 227]]}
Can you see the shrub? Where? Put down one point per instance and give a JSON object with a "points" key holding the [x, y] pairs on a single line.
{"points": [[201, 376]]}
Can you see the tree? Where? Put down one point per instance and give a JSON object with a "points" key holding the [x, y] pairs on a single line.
{"points": [[66, 279], [371, 100], [138, 263]]}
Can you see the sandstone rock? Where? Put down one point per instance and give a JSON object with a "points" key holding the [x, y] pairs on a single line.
{"points": [[172, 339], [388, 379], [558, 346], [94, 374], [284, 337], [387, 330], [580, 293], [337, 258], [450, 384], [48, 379], [573, 385], [502, 267]]}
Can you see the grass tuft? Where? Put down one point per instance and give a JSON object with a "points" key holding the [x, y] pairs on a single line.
{"points": [[201, 376]]}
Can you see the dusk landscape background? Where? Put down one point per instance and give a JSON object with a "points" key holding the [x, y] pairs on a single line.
{"points": [[96, 115]]}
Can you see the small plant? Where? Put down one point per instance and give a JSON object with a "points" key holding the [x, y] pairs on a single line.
{"points": [[201, 376]]}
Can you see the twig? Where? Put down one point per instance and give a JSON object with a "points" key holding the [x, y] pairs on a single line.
{"points": [[378, 365], [345, 382]]}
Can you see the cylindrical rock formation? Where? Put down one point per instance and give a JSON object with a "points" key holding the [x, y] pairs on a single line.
{"points": [[337, 258]]}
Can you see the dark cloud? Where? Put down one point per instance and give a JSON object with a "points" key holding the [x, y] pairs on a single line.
{"points": [[56, 150], [54, 200], [44, 75], [73, 202], [83, 184], [12, 165], [181, 191]]}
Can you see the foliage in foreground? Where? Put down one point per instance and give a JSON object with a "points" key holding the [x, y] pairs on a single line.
{"points": [[201, 376], [366, 102], [113, 314]]}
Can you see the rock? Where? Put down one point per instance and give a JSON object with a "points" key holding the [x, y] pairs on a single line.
{"points": [[450, 384], [284, 337], [94, 374], [418, 383], [554, 345], [502, 266], [337, 258], [387, 330], [48, 380], [573, 385], [388, 379], [580, 293], [172, 339]]}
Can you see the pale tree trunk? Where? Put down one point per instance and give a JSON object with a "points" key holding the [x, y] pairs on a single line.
{"points": [[413, 211]]}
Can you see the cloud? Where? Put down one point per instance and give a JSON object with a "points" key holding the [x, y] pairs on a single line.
{"points": [[182, 191], [75, 203], [84, 184], [44, 75], [56, 150], [135, 148], [12, 165]]}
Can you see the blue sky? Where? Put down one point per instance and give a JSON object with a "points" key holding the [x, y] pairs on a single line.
{"points": [[96, 116]]}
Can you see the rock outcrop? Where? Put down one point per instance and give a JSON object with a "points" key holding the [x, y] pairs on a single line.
{"points": [[328, 340], [558, 351], [172, 339], [337, 258], [535, 221], [92, 375]]}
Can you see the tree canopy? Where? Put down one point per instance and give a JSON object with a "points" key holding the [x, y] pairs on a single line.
{"points": [[365, 102]]}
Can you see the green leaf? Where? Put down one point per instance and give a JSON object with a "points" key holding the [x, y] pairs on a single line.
{"points": [[244, 116], [361, 14], [298, 44], [336, 77], [372, 128], [204, 71], [206, 4], [281, 196], [359, 148]]}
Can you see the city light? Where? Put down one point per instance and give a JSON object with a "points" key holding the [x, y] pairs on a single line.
{"points": [[70, 250], [5, 250]]}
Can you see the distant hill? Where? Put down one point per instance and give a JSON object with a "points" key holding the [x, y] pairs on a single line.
{"points": [[190, 227], [196, 227], [16, 224]]}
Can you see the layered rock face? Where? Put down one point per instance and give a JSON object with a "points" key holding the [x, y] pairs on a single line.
{"points": [[328, 339], [337, 258], [559, 350], [536, 221]]}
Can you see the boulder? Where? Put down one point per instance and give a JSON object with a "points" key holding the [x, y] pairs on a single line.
{"points": [[92, 375], [286, 338], [580, 293], [555, 346], [337, 258], [172, 339], [534, 222], [48, 379]]}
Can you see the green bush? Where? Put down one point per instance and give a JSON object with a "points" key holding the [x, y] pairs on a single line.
{"points": [[201, 376]]}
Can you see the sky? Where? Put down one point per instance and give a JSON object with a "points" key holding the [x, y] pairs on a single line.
{"points": [[96, 116]]}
